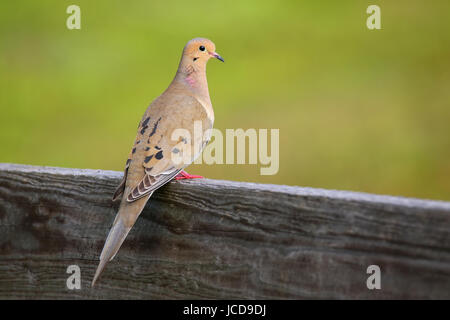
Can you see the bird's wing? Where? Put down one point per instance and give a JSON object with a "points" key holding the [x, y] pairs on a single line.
{"points": [[163, 156], [156, 160]]}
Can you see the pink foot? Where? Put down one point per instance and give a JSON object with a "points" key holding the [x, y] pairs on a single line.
{"points": [[184, 175]]}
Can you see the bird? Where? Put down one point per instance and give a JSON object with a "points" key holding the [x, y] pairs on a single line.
{"points": [[152, 162]]}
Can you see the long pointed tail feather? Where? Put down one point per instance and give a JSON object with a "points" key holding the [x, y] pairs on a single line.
{"points": [[124, 221], [113, 242]]}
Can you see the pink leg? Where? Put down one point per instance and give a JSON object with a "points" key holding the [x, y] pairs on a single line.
{"points": [[184, 175]]}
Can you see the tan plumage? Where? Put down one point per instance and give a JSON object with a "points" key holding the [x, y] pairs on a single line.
{"points": [[150, 163]]}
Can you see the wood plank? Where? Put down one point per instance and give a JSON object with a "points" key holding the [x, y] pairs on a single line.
{"points": [[217, 239]]}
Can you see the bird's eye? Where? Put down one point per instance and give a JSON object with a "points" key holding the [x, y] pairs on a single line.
{"points": [[202, 48]]}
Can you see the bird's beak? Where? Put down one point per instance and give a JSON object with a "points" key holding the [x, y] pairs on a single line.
{"points": [[217, 56]]}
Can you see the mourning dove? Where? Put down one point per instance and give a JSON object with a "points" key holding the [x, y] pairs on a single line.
{"points": [[151, 162]]}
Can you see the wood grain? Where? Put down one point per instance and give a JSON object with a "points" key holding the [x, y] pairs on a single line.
{"points": [[211, 239]]}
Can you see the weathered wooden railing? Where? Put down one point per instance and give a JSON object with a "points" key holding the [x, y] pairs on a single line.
{"points": [[217, 239]]}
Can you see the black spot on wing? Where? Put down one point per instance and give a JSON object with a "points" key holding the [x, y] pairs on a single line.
{"points": [[146, 121], [143, 129], [159, 155], [147, 148], [147, 159], [157, 148], [134, 150], [154, 127]]}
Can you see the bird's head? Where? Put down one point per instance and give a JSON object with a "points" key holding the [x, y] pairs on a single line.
{"points": [[199, 50]]}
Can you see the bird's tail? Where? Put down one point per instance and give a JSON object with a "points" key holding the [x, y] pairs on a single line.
{"points": [[115, 238], [125, 219]]}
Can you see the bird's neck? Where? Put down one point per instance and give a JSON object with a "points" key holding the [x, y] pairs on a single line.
{"points": [[193, 78]]}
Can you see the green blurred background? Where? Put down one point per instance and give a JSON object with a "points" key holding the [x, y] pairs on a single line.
{"points": [[357, 109]]}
